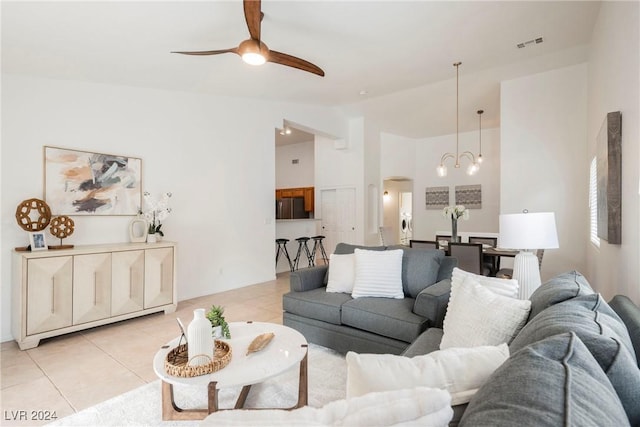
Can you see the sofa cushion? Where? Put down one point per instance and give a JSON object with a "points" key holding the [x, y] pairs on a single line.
{"points": [[565, 387], [427, 342], [505, 287], [316, 304], [378, 274], [420, 268], [342, 273], [347, 248], [477, 316], [420, 406], [630, 315], [558, 289], [604, 335], [460, 371], [391, 318]]}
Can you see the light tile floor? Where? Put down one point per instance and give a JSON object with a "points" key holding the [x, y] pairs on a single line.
{"points": [[72, 372]]}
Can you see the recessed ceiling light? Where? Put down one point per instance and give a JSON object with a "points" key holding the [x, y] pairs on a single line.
{"points": [[363, 92]]}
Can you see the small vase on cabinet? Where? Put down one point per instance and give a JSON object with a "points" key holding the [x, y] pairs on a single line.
{"points": [[151, 238], [200, 339]]}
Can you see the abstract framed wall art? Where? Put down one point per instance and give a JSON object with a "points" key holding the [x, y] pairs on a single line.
{"points": [[470, 196], [436, 197], [84, 183], [609, 184]]}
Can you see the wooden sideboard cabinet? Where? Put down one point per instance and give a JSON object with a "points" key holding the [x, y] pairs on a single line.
{"points": [[60, 291]]}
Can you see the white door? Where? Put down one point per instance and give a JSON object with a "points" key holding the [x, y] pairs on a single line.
{"points": [[338, 213]]}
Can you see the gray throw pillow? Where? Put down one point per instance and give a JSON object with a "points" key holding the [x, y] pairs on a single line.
{"points": [[419, 268], [558, 289], [553, 382], [604, 335]]}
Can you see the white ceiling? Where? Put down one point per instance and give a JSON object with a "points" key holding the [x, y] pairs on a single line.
{"points": [[400, 52]]}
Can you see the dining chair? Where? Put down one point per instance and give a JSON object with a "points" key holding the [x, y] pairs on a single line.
{"points": [[491, 262], [423, 244], [386, 236], [469, 256], [441, 237]]}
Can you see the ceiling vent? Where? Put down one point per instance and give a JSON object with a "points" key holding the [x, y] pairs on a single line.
{"points": [[528, 42]]}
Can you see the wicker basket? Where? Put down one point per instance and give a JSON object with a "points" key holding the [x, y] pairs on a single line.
{"points": [[177, 363]]}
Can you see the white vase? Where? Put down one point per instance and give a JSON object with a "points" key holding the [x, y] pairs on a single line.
{"points": [[138, 229], [200, 339], [151, 238]]}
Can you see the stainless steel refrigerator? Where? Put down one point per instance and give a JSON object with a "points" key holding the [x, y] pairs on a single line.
{"points": [[290, 208]]}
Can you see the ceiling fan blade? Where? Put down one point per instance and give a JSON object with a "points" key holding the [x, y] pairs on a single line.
{"points": [[253, 16], [210, 52], [292, 61]]}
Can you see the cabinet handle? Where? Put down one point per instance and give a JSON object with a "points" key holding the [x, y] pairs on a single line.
{"points": [[95, 288], [161, 276], [130, 282], [53, 295]]}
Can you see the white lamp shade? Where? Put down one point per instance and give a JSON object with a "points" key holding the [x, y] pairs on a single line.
{"points": [[528, 231]]}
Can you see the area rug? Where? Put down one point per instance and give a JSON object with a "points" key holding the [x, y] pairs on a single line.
{"points": [[327, 374]]}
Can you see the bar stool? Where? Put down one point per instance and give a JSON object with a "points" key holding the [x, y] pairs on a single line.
{"points": [[302, 245], [317, 244], [281, 247]]}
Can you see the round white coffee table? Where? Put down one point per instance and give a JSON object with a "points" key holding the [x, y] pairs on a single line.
{"points": [[287, 348]]}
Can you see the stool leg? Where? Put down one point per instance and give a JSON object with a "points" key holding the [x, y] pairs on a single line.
{"points": [[288, 258], [297, 259], [325, 258], [308, 253]]}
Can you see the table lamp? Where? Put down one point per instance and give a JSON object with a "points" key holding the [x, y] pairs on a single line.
{"points": [[528, 232]]}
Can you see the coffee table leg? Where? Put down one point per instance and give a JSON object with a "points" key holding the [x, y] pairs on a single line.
{"points": [[302, 385], [171, 412]]}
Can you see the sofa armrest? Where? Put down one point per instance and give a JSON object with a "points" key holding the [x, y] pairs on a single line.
{"points": [[307, 279], [432, 302]]}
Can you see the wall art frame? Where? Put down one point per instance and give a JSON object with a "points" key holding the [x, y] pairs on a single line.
{"points": [[470, 196], [78, 182], [609, 182], [436, 198]]}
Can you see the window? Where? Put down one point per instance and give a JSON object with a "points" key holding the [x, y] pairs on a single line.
{"points": [[593, 202]]}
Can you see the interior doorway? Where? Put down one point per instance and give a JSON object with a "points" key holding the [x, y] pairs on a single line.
{"points": [[397, 213]]}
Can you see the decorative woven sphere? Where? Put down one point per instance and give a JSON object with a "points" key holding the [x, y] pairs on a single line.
{"points": [[62, 226], [33, 206]]}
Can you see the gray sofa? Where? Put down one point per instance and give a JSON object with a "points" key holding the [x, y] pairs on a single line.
{"points": [[370, 325], [574, 363]]}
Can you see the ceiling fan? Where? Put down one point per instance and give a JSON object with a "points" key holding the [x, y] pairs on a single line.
{"points": [[253, 51]]}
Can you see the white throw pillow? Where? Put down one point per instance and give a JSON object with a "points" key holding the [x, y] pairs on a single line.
{"points": [[341, 273], [378, 274], [460, 371], [419, 406], [506, 287], [477, 316]]}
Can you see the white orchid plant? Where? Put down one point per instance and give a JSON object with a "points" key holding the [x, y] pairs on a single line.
{"points": [[455, 212], [156, 211]]}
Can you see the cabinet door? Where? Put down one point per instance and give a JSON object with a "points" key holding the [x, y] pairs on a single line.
{"points": [[288, 192], [91, 287], [309, 197], [49, 294], [297, 192], [127, 277], [158, 277]]}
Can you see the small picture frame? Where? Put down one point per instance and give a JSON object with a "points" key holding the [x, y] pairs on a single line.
{"points": [[38, 241]]}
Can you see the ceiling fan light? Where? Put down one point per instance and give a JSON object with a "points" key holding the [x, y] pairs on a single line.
{"points": [[253, 58]]}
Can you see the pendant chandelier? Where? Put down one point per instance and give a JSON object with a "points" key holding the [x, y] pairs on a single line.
{"points": [[473, 166]]}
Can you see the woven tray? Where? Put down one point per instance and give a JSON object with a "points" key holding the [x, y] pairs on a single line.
{"points": [[177, 364]]}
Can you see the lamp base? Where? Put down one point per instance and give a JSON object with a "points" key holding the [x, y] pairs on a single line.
{"points": [[526, 271]]}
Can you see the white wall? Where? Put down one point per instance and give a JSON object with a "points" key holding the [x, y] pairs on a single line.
{"points": [[544, 162], [301, 174], [417, 159], [613, 86], [220, 171]]}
